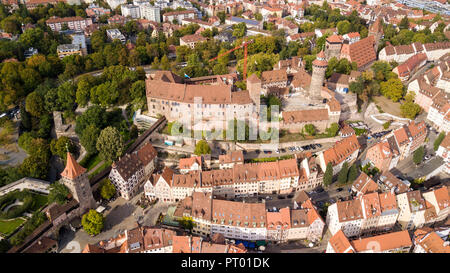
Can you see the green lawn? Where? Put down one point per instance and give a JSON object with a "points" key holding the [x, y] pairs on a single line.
{"points": [[99, 169], [9, 226], [91, 162]]}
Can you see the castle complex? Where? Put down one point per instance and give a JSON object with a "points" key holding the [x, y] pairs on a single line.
{"points": [[213, 100]]}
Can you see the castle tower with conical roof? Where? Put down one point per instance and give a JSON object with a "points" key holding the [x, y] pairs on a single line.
{"points": [[319, 66], [75, 178]]}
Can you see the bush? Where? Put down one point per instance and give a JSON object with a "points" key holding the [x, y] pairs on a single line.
{"points": [[387, 124], [93, 222], [418, 155]]}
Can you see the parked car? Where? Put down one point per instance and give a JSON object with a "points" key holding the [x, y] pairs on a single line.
{"points": [[339, 189], [320, 190], [427, 157]]}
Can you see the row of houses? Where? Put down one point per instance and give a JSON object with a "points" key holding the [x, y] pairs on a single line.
{"points": [[424, 240], [144, 239], [377, 207], [250, 221]]}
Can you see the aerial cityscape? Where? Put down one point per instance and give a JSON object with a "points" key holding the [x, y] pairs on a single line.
{"points": [[224, 126]]}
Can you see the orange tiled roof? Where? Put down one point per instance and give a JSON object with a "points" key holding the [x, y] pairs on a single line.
{"points": [[73, 169]]}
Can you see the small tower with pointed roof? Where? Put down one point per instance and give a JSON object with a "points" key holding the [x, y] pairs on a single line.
{"points": [[319, 66], [75, 178]]}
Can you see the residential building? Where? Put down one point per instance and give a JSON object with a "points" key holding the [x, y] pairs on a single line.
{"points": [[401, 53], [193, 163], [115, 3], [364, 185], [388, 182], [440, 201], [150, 12], [129, 171], [130, 10], [345, 150], [230, 159], [444, 152], [384, 155], [368, 213], [409, 138], [192, 40], [114, 34], [412, 210], [178, 16], [394, 242], [410, 66], [426, 240], [68, 50], [74, 23], [311, 176]]}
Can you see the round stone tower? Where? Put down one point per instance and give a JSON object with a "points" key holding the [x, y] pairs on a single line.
{"points": [[319, 66]]}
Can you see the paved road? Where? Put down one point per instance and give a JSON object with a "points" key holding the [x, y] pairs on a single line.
{"points": [[121, 216]]}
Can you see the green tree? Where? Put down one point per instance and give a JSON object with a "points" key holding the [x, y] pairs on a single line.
{"points": [[34, 104], [418, 155], [89, 138], [187, 223], [58, 193], [110, 144], [352, 173], [343, 174], [165, 64], [392, 89], [239, 30], [333, 129], [328, 176], [107, 189], [438, 141], [61, 146], [344, 27], [94, 115], [310, 129], [410, 110], [202, 147], [92, 222]]}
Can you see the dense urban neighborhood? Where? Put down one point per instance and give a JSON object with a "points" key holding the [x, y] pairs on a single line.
{"points": [[224, 126]]}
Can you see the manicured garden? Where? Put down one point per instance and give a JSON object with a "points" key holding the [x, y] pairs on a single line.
{"points": [[14, 205]]}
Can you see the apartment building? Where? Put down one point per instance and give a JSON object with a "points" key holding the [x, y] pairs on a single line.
{"points": [[412, 210], [150, 12], [394, 242], [192, 40], [194, 163], [440, 201], [159, 186], [384, 155], [410, 66], [240, 180], [345, 150], [130, 10], [230, 159], [409, 138], [74, 23], [144, 239], [364, 185], [426, 240], [178, 15], [250, 221], [366, 214], [444, 152], [311, 176], [131, 170], [115, 34], [68, 50]]}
